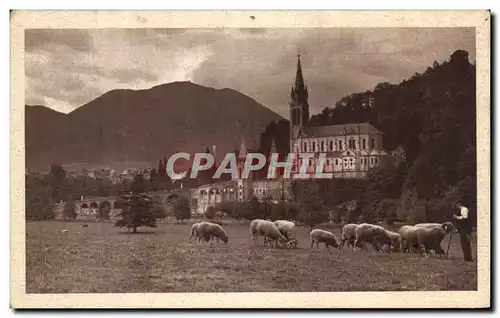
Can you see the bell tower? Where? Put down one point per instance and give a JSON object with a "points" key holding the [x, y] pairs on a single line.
{"points": [[299, 105]]}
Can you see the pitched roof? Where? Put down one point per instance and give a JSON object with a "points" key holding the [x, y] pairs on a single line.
{"points": [[339, 130]]}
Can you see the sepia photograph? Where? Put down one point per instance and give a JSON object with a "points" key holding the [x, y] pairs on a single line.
{"points": [[250, 159]]}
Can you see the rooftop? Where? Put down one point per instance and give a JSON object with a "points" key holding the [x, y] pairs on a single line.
{"points": [[340, 130]]}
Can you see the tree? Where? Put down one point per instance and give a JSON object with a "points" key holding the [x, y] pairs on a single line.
{"points": [[387, 209], [293, 212], [69, 209], [211, 212], [256, 208], [138, 208], [104, 210], [159, 212], [153, 178], [161, 171], [38, 207], [312, 210], [57, 172], [237, 210], [279, 211], [57, 176], [138, 184], [313, 214], [38, 198], [182, 210]]}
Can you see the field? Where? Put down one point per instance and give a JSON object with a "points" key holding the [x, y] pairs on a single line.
{"points": [[104, 259]]}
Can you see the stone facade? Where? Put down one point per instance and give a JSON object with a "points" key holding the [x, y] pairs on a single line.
{"points": [[350, 150], [88, 208]]}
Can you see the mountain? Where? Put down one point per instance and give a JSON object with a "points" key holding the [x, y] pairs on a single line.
{"points": [[126, 126]]}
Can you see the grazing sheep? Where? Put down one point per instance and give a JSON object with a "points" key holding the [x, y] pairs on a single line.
{"points": [[408, 235], [85, 225], [321, 236], [448, 225], [259, 227], [287, 228], [373, 234], [348, 234], [395, 241], [64, 231], [207, 231], [429, 238], [194, 232]]}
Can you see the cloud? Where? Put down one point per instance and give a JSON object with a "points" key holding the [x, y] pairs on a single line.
{"points": [[71, 67], [129, 75], [47, 39]]}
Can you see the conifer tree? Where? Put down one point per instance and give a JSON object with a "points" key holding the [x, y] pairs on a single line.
{"points": [[138, 208], [69, 209], [182, 211], [161, 170]]}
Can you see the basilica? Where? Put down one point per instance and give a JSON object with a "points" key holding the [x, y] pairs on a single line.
{"points": [[350, 151]]}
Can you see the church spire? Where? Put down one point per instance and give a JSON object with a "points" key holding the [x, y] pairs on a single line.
{"points": [[299, 78], [243, 151], [299, 106], [273, 147]]}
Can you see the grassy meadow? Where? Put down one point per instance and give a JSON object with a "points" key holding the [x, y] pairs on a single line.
{"points": [[105, 259]]}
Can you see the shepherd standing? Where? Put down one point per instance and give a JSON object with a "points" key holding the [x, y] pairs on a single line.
{"points": [[465, 229]]}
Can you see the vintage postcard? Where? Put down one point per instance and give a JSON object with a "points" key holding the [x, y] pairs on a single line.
{"points": [[243, 159]]}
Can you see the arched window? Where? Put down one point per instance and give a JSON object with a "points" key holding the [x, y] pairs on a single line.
{"points": [[323, 146], [364, 143], [340, 145], [314, 146], [331, 145], [352, 144], [304, 146], [372, 143]]}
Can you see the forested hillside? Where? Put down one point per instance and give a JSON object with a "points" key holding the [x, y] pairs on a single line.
{"points": [[433, 116]]}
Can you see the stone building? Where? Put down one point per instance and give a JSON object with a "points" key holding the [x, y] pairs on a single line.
{"points": [[89, 208], [239, 189], [351, 149]]}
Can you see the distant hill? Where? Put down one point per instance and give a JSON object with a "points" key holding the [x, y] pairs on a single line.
{"points": [[144, 125]]}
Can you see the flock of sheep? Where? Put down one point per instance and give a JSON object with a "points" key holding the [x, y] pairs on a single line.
{"points": [[424, 237]]}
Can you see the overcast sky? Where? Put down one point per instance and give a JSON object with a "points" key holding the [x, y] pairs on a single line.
{"points": [[68, 68]]}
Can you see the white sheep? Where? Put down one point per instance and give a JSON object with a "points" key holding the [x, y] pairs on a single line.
{"points": [[373, 234], [287, 228], [348, 234], [395, 241], [449, 226], [430, 237], [208, 230], [194, 232], [259, 227], [408, 235], [321, 236]]}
